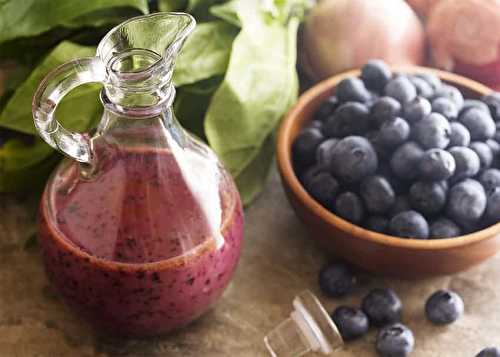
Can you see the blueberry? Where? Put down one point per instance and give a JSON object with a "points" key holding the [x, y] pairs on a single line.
{"points": [[352, 90], [376, 74], [432, 80], [383, 151], [382, 306], [349, 206], [416, 110], [428, 198], [377, 194], [353, 159], [324, 151], [405, 159], [395, 340], [304, 147], [474, 103], [492, 214], [444, 307], [467, 162], [336, 280], [316, 124], [490, 179], [452, 93], [349, 119], [424, 89], [484, 153], [489, 352], [352, 323], [402, 204], [326, 108], [459, 135], [401, 89], [445, 107], [409, 224], [377, 224], [322, 187], [444, 228], [399, 186], [493, 102], [394, 132], [480, 124], [433, 132], [494, 146], [466, 202], [436, 165], [385, 108]]}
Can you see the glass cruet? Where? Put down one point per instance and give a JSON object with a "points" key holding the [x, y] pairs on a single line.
{"points": [[140, 226]]}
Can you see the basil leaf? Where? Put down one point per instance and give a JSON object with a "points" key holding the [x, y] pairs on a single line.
{"points": [[205, 53], [32, 17], [17, 113], [259, 86]]}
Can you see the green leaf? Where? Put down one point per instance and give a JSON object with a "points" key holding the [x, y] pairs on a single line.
{"points": [[259, 87], [102, 17], [25, 166], [32, 17], [172, 5], [191, 103], [252, 179], [227, 12], [77, 111], [16, 155], [205, 53], [200, 9]]}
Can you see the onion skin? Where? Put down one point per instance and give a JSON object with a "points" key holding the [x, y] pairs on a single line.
{"points": [[344, 34], [465, 38], [423, 7]]}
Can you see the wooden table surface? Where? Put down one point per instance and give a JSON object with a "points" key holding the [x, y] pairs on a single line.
{"points": [[278, 261]]}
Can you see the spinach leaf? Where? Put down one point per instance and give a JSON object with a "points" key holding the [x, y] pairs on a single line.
{"points": [[102, 17], [200, 9], [227, 12], [259, 87], [25, 166], [77, 111], [32, 17], [252, 179], [191, 103], [172, 5], [205, 53]]}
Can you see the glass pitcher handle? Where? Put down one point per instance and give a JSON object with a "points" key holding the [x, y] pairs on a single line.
{"points": [[50, 92]]}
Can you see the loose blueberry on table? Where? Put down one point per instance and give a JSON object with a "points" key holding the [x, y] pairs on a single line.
{"points": [[489, 352], [444, 307], [395, 340], [351, 322], [336, 279], [404, 154], [382, 306]]}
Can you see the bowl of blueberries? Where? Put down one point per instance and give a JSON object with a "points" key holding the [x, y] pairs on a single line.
{"points": [[396, 170]]}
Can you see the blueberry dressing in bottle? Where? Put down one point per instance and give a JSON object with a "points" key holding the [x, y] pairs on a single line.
{"points": [[141, 226]]}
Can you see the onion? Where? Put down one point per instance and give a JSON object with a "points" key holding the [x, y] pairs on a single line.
{"points": [[344, 34], [422, 7], [465, 38]]}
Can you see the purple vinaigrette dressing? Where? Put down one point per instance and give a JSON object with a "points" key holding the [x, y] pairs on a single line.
{"points": [[131, 250]]}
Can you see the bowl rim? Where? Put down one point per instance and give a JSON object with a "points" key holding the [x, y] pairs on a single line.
{"points": [[283, 149]]}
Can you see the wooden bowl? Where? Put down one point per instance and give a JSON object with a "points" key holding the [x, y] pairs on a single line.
{"points": [[389, 255]]}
